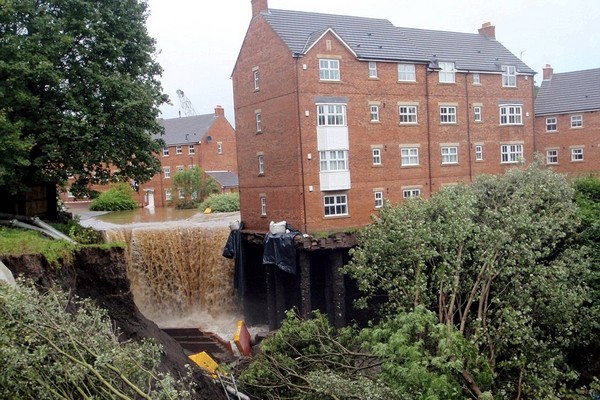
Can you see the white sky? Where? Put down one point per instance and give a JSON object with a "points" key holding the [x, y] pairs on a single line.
{"points": [[198, 40]]}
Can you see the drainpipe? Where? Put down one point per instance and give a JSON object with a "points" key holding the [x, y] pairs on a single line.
{"points": [[468, 128], [428, 129], [297, 57]]}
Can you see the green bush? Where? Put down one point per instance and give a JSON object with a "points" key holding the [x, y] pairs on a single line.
{"points": [[226, 202], [117, 198]]}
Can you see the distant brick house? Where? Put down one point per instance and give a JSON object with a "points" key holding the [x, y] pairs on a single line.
{"points": [[337, 114], [567, 115], [205, 140]]}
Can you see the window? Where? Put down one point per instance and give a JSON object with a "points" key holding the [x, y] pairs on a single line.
{"points": [[477, 113], [374, 113], [376, 156], [577, 154], [450, 155], [334, 160], [336, 204], [256, 80], [479, 153], [476, 79], [181, 194], [551, 124], [261, 164], [447, 72], [576, 121], [178, 150], [263, 206], [511, 153], [447, 114], [258, 122], [408, 114], [406, 73], [165, 151], [552, 156], [408, 193], [180, 168], [219, 148], [167, 172], [191, 149], [511, 115], [409, 156], [329, 70], [378, 199], [331, 114], [168, 195], [509, 76], [372, 69]]}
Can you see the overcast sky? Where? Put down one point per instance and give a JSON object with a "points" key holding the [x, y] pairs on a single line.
{"points": [[198, 40]]}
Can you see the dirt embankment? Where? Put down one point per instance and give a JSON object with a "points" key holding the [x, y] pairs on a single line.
{"points": [[101, 275]]}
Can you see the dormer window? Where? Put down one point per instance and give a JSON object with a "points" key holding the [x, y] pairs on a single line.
{"points": [[447, 72], [509, 76]]}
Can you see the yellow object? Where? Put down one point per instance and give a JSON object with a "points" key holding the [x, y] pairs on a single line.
{"points": [[206, 362], [207, 210]]}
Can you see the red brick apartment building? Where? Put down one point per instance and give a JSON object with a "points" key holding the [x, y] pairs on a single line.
{"points": [[337, 114], [567, 116], [205, 140]]}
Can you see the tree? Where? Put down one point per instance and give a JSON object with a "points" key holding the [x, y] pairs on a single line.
{"points": [[78, 92], [192, 186], [497, 260], [117, 198]]}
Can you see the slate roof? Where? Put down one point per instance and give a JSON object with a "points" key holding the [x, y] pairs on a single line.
{"points": [[226, 179], [379, 39], [185, 130], [577, 91]]}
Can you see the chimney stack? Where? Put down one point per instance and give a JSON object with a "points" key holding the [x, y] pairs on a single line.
{"points": [[488, 30], [219, 111], [548, 71], [258, 6]]}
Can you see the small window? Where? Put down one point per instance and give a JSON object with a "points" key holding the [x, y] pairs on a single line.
{"points": [[219, 148], [511, 115], [331, 115], [181, 194], [552, 156], [479, 153], [261, 164], [476, 79], [329, 70], [165, 151], [577, 154], [180, 168], [447, 115], [258, 122], [376, 153], [576, 121], [263, 206], [178, 150], [477, 113], [408, 114], [408, 193], [336, 205], [450, 155], [168, 195], [511, 153], [551, 124], [409, 156], [406, 73], [256, 80], [372, 69], [447, 72], [509, 76], [167, 172], [374, 113], [191, 149], [334, 160], [378, 199]]}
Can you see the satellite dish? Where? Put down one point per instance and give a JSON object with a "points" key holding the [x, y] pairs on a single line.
{"points": [[208, 139]]}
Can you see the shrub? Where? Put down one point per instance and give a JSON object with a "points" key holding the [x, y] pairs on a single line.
{"points": [[226, 202], [117, 198]]}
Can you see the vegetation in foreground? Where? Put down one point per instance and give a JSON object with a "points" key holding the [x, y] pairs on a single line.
{"points": [[222, 203], [117, 198]]}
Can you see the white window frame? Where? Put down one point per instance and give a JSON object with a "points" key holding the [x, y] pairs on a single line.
{"points": [[191, 149], [449, 154], [168, 195], [511, 114], [263, 206], [409, 156], [181, 194], [256, 78], [576, 121], [408, 114], [376, 155], [552, 156], [165, 151], [372, 69], [447, 114], [477, 113], [374, 113], [447, 73], [407, 73], [167, 172], [258, 118], [378, 199], [335, 205], [479, 152], [413, 192], [551, 124], [509, 76], [329, 69], [219, 148], [331, 114], [333, 160], [178, 149], [261, 164], [476, 79], [511, 153], [577, 154]]}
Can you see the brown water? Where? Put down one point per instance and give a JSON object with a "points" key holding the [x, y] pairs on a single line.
{"points": [[144, 215]]}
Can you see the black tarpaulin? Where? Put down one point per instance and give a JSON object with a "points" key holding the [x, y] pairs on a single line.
{"points": [[279, 250]]}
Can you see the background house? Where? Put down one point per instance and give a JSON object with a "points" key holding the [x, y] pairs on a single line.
{"points": [[337, 114], [567, 113]]}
